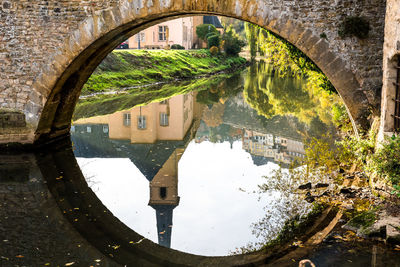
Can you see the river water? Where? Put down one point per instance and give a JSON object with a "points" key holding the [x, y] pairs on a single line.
{"points": [[185, 171]]}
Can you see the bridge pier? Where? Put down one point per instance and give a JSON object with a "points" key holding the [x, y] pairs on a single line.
{"points": [[391, 72]]}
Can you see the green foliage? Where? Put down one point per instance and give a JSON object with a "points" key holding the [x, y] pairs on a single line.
{"points": [[236, 24], [252, 33], [354, 26], [363, 220], [357, 150], [203, 29], [213, 40], [341, 118], [287, 59], [386, 161], [177, 46], [231, 42]]}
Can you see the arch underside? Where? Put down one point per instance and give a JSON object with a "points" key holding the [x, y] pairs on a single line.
{"points": [[61, 82]]}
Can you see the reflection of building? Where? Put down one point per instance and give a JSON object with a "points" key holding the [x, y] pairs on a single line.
{"points": [[272, 147], [154, 138], [166, 120], [164, 196]]}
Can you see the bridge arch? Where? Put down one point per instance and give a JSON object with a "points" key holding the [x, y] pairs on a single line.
{"points": [[60, 82]]}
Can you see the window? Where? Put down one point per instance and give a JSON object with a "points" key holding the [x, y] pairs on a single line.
{"points": [[105, 128], [127, 119], [141, 122], [164, 102], [140, 37], [163, 192], [164, 119], [88, 129], [162, 33]]}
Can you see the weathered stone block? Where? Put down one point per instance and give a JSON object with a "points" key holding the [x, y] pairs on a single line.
{"points": [[12, 119]]}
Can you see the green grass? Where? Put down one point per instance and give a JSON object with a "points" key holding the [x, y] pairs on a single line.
{"points": [[126, 68]]}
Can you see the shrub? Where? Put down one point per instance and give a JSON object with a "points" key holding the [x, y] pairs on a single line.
{"points": [[354, 26], [386, 161], [213, 40], [214, 50], [177, 46]]}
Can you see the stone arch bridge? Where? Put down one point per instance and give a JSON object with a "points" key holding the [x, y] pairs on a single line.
{"points": [[49, 48]]}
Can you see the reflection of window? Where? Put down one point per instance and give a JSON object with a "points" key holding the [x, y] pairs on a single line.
{"points": [[105, 128], [72, 129], [89, 129], [185, 115], [163, 192], [164, 119], [127, 119], [141, 122], [162, 33]]}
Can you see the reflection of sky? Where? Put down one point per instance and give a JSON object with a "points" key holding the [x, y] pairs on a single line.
{"points": [[214, 214]]}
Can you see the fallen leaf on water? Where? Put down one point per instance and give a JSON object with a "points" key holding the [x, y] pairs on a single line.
{"points": [[163, 232], [397, 248], [47, 264], [98, 260], [19, 256], [59, 178], [69, 263]]}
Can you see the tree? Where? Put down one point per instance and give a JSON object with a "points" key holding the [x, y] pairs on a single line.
{"points": [[231, 42], [252, 34], [203, 29]]}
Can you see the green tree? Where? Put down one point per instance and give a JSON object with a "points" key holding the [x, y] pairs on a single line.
{"points": [[204, 29], [252, 35], [231, 42]]}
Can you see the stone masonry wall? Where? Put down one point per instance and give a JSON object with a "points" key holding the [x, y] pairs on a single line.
{"points": [[33, 35]]}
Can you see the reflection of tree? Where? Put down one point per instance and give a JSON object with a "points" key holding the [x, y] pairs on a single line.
{"points": [[213, 116], [221, 91], [271, 94], [287, 207]]}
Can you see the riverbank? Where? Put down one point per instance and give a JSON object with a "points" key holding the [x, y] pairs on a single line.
{"points": [[129, 68]]}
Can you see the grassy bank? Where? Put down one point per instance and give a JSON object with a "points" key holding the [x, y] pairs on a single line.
{"points": [[127, 68]]}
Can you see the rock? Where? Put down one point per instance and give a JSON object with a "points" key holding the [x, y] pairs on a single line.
{"points": [[305, 186], [321, 185], [392, 235], [350, 193], [310, 199]]}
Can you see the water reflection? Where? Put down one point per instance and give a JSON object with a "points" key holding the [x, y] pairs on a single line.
{"points": [[220, 146]]}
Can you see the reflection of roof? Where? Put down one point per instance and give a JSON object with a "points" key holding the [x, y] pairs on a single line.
{"points": [[260, 160], [148, 158], [212, 20]]}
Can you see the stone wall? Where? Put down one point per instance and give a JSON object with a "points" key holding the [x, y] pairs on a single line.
{"points": [[391, 53], [40, 41]]}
